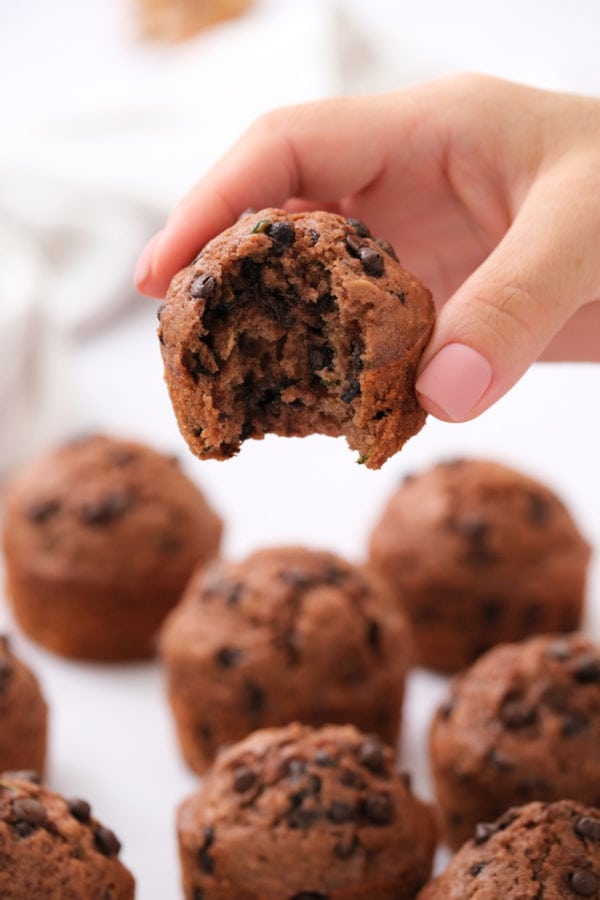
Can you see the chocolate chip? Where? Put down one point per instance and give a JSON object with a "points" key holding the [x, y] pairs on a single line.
{"points": [[80, 810], [477, 868], [352, 778], [573, 725], [243, 779], [492, 609], [319, 358], [378, 809], [160, 311], [586, 669], [353, 244], [247, 431], [373, 634], [28, 812], [282, 233], [203, 287], [484, 831], [371, 755], [381, 414], [539, 509], [42, 510], [471, 526], [297, 578], [205, 860], [559, 650], [360, 228], [587, 827], [197, 431], [292, 767], [106, 841], [339, 812], [198, 894], [106, 509], [517, 714], [351, 391], [583, 883], [406, 780], [254, 697], [6, 672], [323, 759], [387, 248], [314, 235], [372, 261], [301, 818], [122, 456], [228, 657]]}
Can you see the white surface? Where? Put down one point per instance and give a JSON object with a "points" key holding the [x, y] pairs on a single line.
{"points": [[83, 104]]}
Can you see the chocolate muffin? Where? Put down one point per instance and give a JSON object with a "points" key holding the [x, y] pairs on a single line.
{"points": [[52, 848], [541, 850], [296, 813], [479, 554], [294, 324], [23, 715], [100, 537], [522, 724], [289, 634]]}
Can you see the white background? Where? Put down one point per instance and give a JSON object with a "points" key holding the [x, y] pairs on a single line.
{"points": [[84, 103]]}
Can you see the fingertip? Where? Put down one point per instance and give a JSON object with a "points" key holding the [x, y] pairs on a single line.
{"points": [[453, 382], [142, 276]]}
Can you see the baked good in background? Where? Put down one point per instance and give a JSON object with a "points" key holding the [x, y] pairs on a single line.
{"points": [[295, 324], [176, 20], [477, 554], [310, 814], [100, 537], [523, 723], [288, 634], [52, 848], [541, 850], [23, 714]]}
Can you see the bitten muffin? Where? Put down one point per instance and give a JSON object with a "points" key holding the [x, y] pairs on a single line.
{"points": [[289, 634], [541, 850], [297, 813], [100, 538], [294, 324], [23, 715], [522, 724], [52, 848], [479, 554]]}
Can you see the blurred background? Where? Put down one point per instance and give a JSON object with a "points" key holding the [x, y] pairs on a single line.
{"points": [[111, 109]]}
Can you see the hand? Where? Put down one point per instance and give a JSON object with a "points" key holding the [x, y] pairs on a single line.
{"points": [[489, 191]]}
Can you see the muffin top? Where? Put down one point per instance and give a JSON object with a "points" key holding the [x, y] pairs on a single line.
{"points": [[549, 850], [296, 809], [108, 510], [526, 717]]}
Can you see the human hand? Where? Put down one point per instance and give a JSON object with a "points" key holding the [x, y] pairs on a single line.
{"points": [[488, 190]]}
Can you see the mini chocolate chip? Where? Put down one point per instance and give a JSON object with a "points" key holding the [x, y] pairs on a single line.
{"points": [[300, 818], [373, 634], [106, 509], [477, 868], [80, 810], [492, 609], [106, 841], [282, 233], [484, 831], [516, 714], [254, 697], [205, 860], [339, 812], [372, 261], [29, 811], [203, 287], [586, 669], [573, 725], [378, 809], [351, 391], [319, 358], [160, 310], [360, 228], [559, 650], [314, 235], [198, 894], [471, 526], [247, 431], [381, 414], [197, 430], [387, 248], [228, 657], [583, 883], [323, 759], [353, 244], [243, 779], [371, 756], [352, 778], [297, 578], [42, 510], [587, 827], [406, 780], [539, 509]]}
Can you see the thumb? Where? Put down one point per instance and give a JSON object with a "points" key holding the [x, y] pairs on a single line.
{"points": [[500, 320]]}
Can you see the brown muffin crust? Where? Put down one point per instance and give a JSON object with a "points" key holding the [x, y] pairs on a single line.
{"points": [[23, 714], [100, 537], [302, 814], [522, 724], [295, 324], [288, 634], [53, 848], [479, 554], [541, 850]]}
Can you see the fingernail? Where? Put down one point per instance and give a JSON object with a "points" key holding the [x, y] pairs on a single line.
{"points": [[143, 267], [455, 380]]}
